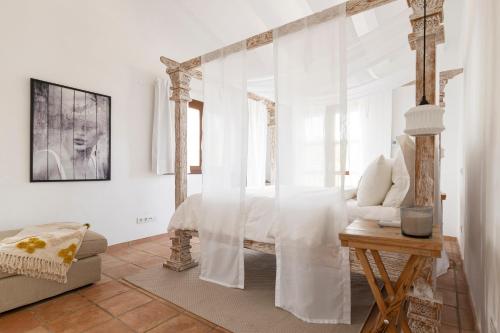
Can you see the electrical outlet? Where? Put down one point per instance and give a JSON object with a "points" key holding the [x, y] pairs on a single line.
{"points": [[145, 219]]}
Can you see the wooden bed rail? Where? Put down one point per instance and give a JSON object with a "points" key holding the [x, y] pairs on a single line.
{"points": [[393, 261]]}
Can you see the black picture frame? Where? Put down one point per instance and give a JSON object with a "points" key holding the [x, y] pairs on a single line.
{"points": [[53, 123]]}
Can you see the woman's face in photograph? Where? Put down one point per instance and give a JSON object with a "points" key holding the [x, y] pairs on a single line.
{"points": [[85, 135], [85, 131]]}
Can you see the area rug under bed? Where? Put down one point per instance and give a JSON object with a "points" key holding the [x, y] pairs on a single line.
{"points": [[251, 310]]}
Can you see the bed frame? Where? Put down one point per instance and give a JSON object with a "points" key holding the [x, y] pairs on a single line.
{"points": [[393, 262], [426, 188], [181, 74]]}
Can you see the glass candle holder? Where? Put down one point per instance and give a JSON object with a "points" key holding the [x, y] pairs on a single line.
{"points": [[417, 221]]}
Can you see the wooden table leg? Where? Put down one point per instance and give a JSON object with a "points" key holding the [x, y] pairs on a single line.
{"points": [[379, 299], [390, 309], [383, 273], [404, 283]]}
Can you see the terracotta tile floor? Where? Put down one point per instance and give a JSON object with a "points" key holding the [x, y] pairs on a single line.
{"points": [[113, 305], [457, 313]]}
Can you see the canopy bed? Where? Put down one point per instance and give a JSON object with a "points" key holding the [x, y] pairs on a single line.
{"points": [[310, 86]]}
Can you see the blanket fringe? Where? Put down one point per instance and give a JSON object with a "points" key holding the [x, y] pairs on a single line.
{"points": [[33, 267]]}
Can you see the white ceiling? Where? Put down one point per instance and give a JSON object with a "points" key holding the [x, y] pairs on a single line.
{"points": [[378, 44], [199, 26]]}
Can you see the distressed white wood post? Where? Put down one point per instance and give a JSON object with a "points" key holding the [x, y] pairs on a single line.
{"points": [[180, 257], [424, 160], [271, 140], [426, 175]]}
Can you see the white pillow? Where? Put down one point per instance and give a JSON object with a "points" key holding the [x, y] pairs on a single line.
{"points": [[400, 183], [408, 149], [375, 182]]}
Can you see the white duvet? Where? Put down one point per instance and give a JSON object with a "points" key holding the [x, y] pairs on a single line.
{"points": [[260, 209]]}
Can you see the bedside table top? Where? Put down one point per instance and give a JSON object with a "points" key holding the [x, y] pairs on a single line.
{"points": [[367, 234]]}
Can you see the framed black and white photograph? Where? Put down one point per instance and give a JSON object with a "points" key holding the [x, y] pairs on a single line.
{"points": [[70, 134]]}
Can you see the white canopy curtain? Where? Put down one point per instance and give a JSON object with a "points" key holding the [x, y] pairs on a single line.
{"points": [[376, 66], [257, 143], [369, 135], [163, 147], [225, 122], [310, 76]]}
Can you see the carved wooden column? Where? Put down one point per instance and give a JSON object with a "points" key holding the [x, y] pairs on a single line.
{"points": [[180, 258], [180, 95], [424, 160], [426, 176], [271, 140]]}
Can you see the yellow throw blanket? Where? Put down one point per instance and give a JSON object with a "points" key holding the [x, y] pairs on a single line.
{"points": [[44, 251]]}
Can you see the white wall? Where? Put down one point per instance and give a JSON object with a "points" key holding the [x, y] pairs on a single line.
{"points": [[403, 98], [481, 238], [100, 46], [452, 162]]}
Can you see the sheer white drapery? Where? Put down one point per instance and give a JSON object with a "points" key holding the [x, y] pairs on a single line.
{"points": [[369, 134], [376, 66], [257, 143], [310, 76], [225, 122], [163, 147]]}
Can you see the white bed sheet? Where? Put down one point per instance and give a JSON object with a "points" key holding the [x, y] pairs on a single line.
{"points": [[260, 209]]}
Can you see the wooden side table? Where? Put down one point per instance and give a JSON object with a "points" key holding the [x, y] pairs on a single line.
{"points": [[365, 235]]}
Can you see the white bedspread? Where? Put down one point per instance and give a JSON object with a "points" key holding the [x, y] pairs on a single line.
{"points": [[259, 218], [259, 205]]}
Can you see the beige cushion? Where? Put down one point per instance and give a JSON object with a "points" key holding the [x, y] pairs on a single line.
{"points": [[375, 182], [20, 290], [8, 233], [93, 243]]}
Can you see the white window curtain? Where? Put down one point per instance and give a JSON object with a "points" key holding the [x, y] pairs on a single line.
{"points": [[163, 141], [257, 143], [310, 74], [369, 132], [225, 122]]}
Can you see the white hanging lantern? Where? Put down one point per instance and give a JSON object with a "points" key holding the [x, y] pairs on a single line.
{"points": [[425, 119]]}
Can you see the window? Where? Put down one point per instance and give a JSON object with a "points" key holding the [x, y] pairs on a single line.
{"points": [[194, 136]]}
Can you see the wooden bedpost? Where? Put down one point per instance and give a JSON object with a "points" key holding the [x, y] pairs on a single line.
{"points": [[180, 258], [271, 140], [426, 176], [424, 159]]}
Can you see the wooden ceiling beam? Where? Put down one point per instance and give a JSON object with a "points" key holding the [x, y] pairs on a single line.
{"points": [[354, 7], [444, 77]]}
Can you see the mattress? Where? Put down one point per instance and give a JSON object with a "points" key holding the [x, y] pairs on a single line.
{"points": [[260, 208]]}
